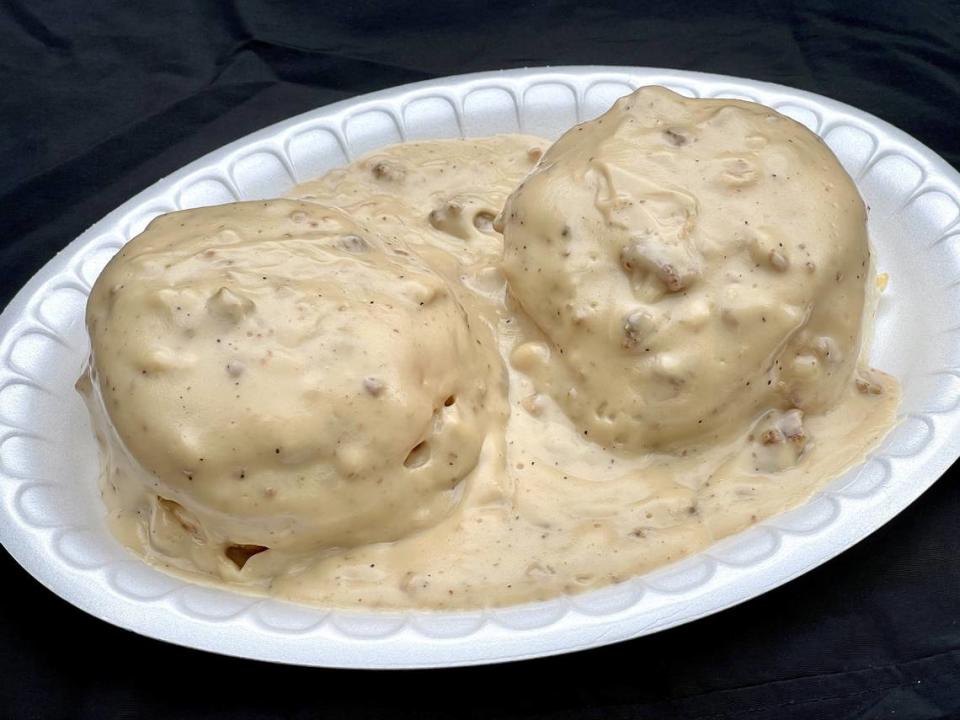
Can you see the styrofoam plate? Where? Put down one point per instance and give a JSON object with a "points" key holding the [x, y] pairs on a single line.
{"points": [[52, 520]]}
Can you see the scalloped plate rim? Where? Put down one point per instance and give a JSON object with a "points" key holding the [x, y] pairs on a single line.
{"points": [[571, 631]]}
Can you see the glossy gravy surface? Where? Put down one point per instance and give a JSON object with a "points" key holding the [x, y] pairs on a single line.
{"points": [[338, 399]]}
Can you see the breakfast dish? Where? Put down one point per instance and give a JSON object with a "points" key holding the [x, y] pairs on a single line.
{"points": [[264, 365], [54, 517], [470, 373], [693, 264]]}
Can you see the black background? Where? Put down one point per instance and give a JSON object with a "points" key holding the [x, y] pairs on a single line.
{"points": [[100, 99]]}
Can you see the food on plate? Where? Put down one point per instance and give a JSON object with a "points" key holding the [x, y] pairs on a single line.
{"points": [[693, 264], [464, 373], [287, 379]]}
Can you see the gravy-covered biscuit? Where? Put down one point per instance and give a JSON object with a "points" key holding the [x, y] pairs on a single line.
{"points": [[692, 264], [287, 379]]}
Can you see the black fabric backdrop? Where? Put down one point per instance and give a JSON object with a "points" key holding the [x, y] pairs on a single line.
{"points": [[100, 99]]}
